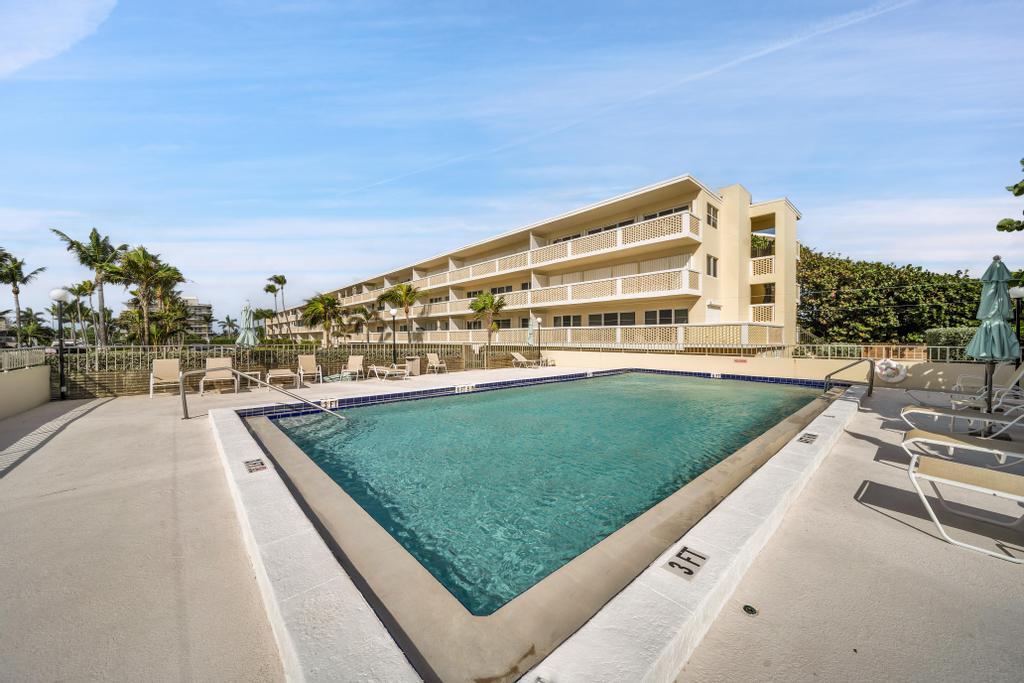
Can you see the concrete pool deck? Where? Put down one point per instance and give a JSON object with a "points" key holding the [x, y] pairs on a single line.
{"points": [[123, 560]]}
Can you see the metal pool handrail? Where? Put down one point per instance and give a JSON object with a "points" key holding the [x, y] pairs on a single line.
{"points": [[871, 373], [242, 375]]}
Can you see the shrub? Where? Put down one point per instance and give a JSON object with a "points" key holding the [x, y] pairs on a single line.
{"points": [[948, 336]]}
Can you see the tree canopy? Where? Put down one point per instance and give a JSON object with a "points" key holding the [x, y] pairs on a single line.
{"points": [[844, 300], [1013, 224]]}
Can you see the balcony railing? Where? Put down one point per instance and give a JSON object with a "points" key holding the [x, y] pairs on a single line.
{"points": [[762, 313], [764, 265], [665, 282], [711, 335], [645, 232]]}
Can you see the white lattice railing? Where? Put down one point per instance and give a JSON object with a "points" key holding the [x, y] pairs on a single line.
{"points": [[763, 265], [707, 335], [667, 282], [762, 313], [667, 227]]}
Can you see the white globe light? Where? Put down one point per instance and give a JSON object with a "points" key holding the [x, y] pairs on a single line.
{"points": [[1017, 292], [60, 294]]}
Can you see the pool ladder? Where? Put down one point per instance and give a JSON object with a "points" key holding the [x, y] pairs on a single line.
{"points": [[241, 376], [871, 374]]}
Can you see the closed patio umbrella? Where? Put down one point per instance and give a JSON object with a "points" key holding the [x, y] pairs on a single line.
{"points": [[531, 332], [994, 341], [247, 336]]}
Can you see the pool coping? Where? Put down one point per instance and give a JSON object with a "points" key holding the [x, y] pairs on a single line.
{"points": [[301, 644]]}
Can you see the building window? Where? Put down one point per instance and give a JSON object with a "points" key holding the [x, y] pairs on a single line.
{"points": [[565, 239], [474, 325], [667, 316], [438, 299], [504, 289], [712, 266], [568, 321], [712, 216], [525, 285], [524, 322], [611, 319], [613, 226], [503, 324], [474, 294], [768, 296], [667, 212]]}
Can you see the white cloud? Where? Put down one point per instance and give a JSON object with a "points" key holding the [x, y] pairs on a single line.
{"points": [[943, 233], [34, 31]]}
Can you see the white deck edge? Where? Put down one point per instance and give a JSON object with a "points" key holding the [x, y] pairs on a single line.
{"points": [[322, 624], [651, 628]]}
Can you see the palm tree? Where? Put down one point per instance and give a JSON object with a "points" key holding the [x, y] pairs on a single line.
{"points": [[84, 288], [486, 307], [98, 254], [12, 272], [33, 326], [272, 289], [280, 281], [364, 316], [164, 292], [228, 325], [263, 315], [148, 274], [324, 310], [402, 296]]}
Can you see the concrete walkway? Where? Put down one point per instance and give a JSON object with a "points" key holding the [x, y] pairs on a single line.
{"points": [[121, 554], [857, 586]]}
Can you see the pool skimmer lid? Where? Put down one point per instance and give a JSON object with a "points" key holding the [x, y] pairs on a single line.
{"points": [[807, 437]]}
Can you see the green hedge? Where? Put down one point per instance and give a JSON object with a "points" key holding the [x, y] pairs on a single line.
{"points": [[948, 336]]}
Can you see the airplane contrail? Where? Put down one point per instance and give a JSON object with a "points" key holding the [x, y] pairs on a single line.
{"points": [[830, 25]]}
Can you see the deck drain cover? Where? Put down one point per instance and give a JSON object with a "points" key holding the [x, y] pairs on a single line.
{"points": [[252, 466], [808, 437]]}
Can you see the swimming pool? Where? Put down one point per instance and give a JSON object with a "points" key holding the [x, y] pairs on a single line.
{"points": [[492, 492]]}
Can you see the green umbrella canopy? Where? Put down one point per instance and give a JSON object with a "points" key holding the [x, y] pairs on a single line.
{"points": [[994, 340]]}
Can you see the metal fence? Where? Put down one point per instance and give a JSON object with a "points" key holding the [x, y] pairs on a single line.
{"points": [[15, 359]]}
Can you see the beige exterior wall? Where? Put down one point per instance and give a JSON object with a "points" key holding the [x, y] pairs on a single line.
{"points": [[678, 245], [23, 389], [920, 375]]}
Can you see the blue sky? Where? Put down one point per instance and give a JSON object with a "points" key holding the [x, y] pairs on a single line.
{"points": [[333, 140]]}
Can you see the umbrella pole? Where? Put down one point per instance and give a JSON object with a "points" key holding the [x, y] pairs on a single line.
{"points": [[989, 379]]}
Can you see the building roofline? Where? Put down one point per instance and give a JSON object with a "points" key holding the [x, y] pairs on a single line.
{"points": [[526, 228], [780, 199]]}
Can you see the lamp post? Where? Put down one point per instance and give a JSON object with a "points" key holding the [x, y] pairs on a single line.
{"points": [[1017, 294], [394, 334], [61, 297]]}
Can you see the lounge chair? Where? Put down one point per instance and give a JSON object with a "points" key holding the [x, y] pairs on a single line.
{"points": [[435, 363], [215, 376], [1011, 417], [969, 477], [384, 372], [520, 361], [309, 368], [1003, 394], [354, 367], [164, 373], [282, 373]]}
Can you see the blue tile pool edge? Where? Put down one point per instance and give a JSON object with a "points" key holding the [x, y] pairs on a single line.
{"points": [[278, 411]]}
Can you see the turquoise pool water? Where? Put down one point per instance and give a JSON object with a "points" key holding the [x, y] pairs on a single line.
{"points": [[492, 492]]}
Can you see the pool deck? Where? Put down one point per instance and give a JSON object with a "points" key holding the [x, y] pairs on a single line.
{"points": [[122, 559], [857, 585]]}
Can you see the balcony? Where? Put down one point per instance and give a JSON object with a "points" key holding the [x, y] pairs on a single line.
{"points": [[762, 269], [762, 313], [701, 336], [666, 228], [646, 285]]}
